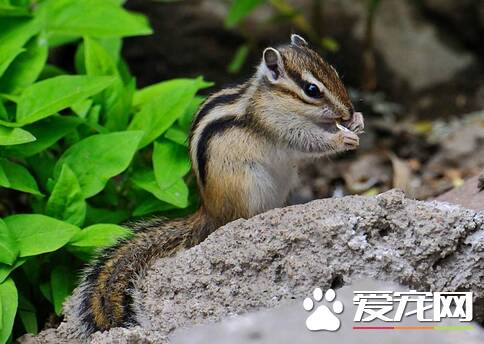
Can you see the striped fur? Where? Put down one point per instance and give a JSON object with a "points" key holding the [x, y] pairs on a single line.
{"points": [[245, 143], [105, 293]]}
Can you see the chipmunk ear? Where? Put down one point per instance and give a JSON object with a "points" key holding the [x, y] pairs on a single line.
{"points": [[298, 41], [272, 63]]}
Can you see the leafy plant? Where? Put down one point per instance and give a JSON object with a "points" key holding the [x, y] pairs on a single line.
{"points": [[80, 150], [284, 12]]}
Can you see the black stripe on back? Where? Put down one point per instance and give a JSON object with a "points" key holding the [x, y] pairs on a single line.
{"points": [[216, 127], [222, 99]]}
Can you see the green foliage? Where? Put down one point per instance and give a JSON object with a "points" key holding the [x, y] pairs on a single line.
{"points": [[373, 6], [240, 9], [239, 59], [35, 233], [47, 97], [80, 150], [8, 308]]}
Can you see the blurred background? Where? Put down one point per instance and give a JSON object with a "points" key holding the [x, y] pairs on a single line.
{"points": [[414, 67]]}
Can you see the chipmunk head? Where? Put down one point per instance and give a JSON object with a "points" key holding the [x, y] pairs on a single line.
{"points": [[300, 82]]}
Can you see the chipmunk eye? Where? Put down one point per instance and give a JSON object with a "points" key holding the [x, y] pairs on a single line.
{"points": [[312, 91]]}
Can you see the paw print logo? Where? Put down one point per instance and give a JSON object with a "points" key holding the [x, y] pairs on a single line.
{"points": [[323, 318]]}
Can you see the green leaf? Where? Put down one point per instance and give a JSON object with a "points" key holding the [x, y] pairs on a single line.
{"points": [[95, 237], [17, 177], [49, 96], [51, 71], [9, 59], [27, 314], [32, 269], [239, 59], [113, 46], [92, 118], [176, 194], [3, 111], [42, 166], [116, 99], [239, 10], [7, 9], [8, 246], [8, 306], [94, 18], [9, 97], [177, 135], [97, 158], [118, 104], [14, 136], [82, 108], [26, 68], [47, 132], [66, 201], [62, 283], [163, 88], [151, 205], [5, 269], [185, 121], [97, 60], [170, 163], [79, 60], [14, 33], [36, 233], [98, 236], [46, 290], [101, 215], [163, 104], [330, 44]]}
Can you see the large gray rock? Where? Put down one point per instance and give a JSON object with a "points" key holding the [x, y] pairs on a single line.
{"points": [[280, 256]]}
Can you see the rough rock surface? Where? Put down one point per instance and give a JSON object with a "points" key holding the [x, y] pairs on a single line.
{"points": [[276, 257]]}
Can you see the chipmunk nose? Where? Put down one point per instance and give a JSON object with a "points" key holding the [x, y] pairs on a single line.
{"points": [[347, 117]]}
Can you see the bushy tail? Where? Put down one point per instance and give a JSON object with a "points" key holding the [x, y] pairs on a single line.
{"points": [[104, 296]]}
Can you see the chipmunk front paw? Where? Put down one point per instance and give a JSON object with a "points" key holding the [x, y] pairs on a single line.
{"points": [[350, 140], [357, 123]]}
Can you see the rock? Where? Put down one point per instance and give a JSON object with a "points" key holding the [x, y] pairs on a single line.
{"points": [[468, 195], [410, 46], [277, 257], [464, 18]]}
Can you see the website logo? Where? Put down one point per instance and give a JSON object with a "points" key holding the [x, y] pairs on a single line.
{"points": [[323, 318], [389, 307]]}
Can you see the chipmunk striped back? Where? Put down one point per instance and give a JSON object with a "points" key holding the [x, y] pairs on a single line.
{"points": [[245, 143]]}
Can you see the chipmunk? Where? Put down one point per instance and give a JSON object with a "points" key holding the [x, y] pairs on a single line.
{"points": [[245, 143]]}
